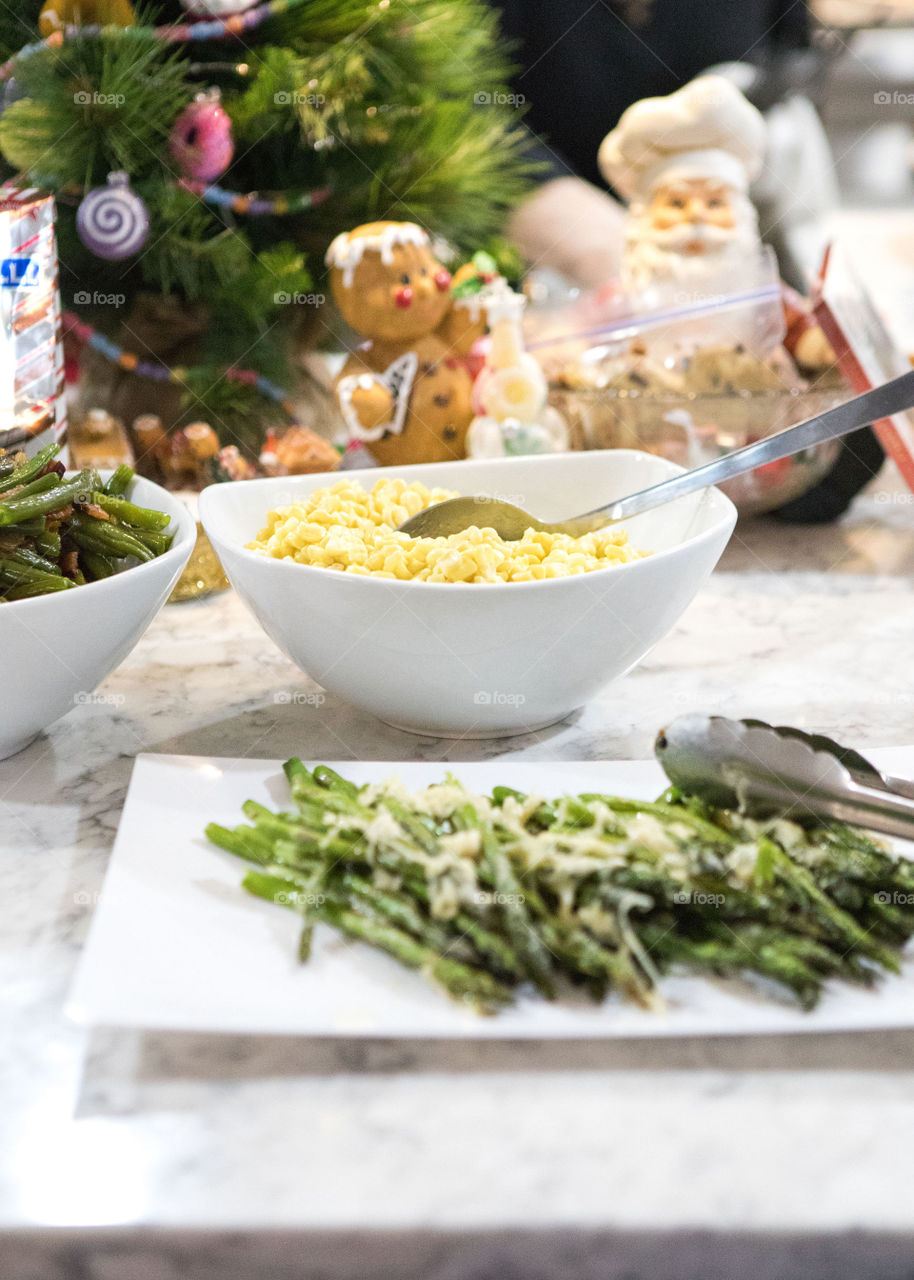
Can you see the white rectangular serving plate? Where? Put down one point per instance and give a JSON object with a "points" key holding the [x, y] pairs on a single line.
{"points": [[177, 944]]}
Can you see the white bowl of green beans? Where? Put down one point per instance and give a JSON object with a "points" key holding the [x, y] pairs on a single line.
{"points": [[86, 562]]}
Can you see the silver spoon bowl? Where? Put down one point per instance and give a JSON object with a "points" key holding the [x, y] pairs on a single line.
{"points": [[511, 522]]}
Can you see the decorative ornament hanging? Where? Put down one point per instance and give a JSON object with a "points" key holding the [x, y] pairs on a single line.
{"points": [[201, 141], [216, 8], [112, 221], [58, 14]]}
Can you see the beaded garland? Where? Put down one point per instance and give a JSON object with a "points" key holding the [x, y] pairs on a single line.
{"points": [[176, 375], [236, 24], [254, 204]]}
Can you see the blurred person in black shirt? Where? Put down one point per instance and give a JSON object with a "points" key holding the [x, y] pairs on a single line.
{"points": [[580, 64]]}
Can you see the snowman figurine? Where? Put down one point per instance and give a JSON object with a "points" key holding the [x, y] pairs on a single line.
{"points": [[509, 396]]}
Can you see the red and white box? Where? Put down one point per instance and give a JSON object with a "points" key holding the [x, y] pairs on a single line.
{"points": [[32, 397]]}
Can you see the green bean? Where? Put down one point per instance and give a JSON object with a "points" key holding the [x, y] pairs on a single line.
{"points": [[30, 469], [20, 574], [243, 842], [324, 776], [334, 801], [36, 516], [474, 986], [96, 565], [41, 485], [528, 903], [666, 813], [501, 794], [158, 543], [295, 770], [16, 509], [30, 528], [101, 535], [519, 925], [119, 481], [32, 560], [47, 543], [130, 513], [42, 587]]}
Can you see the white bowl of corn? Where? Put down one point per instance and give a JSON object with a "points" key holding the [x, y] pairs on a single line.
{"points": [[468, 636]]}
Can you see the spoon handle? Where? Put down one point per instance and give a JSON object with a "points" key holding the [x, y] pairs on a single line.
{"points": [[881, 402]]}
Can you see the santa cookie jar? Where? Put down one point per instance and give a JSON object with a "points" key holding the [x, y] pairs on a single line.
{"points": [[402, 393], [684, 163]]}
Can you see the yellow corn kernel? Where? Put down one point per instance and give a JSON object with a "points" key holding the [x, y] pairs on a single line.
{"points": [[346, 528]]}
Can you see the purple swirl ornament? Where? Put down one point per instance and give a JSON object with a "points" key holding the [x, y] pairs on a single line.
{"points": [[112, 221]]}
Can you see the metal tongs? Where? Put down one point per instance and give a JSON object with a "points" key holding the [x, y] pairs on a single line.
{"points": [[765, 770]]}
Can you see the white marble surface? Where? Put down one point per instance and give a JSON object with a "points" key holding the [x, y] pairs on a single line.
{"points": [[446, 1161]]}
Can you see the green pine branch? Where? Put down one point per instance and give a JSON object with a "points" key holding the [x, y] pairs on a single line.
{"points": [[18, 25], [378, 103], [93, 106]]}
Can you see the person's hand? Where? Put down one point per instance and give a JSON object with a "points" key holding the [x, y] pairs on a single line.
{"points": [[574, 228]]}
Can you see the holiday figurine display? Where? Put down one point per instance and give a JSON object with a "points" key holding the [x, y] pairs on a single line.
{"points": [[401, 393], [58, 14], [191, 454], [510, 393], [113, 221], [466, 322], [97, 440], [684, 163], [201, 141], [297, 451], [231, 465]]}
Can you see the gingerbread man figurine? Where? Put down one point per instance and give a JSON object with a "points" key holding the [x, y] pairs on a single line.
{"points": [[402, 393]]}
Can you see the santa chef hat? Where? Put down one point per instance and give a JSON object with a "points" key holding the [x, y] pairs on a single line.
{"points": [[706, 129]]}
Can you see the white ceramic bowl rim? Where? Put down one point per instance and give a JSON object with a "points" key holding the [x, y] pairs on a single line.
{"points": [[738, 393], [185, 531], [726, 512]]}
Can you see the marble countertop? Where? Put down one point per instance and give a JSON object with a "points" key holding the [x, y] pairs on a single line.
{"points": [[136, 1156]]}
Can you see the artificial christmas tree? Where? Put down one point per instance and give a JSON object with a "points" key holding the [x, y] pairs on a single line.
{"points": [[226, 143]]}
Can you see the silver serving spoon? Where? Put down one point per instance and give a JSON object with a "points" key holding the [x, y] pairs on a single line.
{"points": [[765, 771], [511, 522]]}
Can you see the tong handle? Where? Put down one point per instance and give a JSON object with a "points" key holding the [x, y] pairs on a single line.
{"points": [[866, 807]]}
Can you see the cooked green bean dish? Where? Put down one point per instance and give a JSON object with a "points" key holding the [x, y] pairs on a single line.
{"points": [[59, 531], [489, 896]]}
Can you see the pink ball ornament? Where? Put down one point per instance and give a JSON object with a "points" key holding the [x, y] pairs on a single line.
{"points": [[216, 8], [201, 141]]}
